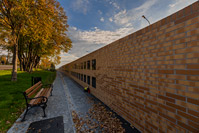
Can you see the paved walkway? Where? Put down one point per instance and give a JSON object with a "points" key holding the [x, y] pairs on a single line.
{"points": [[67, 97], [5, 67], [58, 105]]}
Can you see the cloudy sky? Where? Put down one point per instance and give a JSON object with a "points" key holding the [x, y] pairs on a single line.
{"points": [[96, 23]]}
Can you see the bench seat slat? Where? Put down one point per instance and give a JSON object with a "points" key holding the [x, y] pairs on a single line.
{"points": [[48, 92], [33, 101], [43, 92], [38, 100], [31, 88], [34, 91]]}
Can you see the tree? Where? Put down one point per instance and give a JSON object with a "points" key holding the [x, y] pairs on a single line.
{"points": [[12, 17], [44, 35], [34, 29], [45, 63], [52, 67]]}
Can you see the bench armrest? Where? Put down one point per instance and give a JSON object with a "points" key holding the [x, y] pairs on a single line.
{"points": [[43, 98]]}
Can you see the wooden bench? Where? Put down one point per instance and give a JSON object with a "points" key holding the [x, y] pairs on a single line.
{"points": [[37, 95]]}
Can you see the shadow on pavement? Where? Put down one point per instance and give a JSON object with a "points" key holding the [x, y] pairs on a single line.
{"points": [[52, 125]]}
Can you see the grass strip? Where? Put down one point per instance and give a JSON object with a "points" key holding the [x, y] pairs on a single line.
{"points": [[12, 102]]}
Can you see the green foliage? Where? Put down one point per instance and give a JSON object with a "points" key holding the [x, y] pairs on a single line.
{"points": [[44, 35], [33, 29], [12, 102]]}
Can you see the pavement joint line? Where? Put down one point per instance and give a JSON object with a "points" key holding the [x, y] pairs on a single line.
{"points": [[69, 101]]}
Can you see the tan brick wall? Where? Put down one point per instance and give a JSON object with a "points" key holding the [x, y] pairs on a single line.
{"points": [[151, 77]]}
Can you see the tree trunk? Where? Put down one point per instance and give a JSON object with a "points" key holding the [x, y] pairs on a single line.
{"points": [[20, 54], [14, 69], [37, 62], [7, 61], [24, 66], [23, 62], [21, 66]]}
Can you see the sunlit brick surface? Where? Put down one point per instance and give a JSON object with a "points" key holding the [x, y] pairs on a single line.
{"points": [[151, 77]]}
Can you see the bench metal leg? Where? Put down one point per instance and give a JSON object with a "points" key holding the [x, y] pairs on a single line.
{"points": [[44, 107], [51, 92], [25, 114]]}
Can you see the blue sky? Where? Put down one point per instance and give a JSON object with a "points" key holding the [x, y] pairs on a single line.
{"points": [[87, 14], [96, 23]]}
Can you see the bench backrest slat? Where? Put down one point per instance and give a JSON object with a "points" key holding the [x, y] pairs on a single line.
{"points": [[34, 91], [31, 88]]}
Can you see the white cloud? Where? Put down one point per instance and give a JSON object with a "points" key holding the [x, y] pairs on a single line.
{"points": [[110, 19], [82, 6], [102, 19], [98, 36], [131, 17], [121, 18], [172, 5], [100, 12], [127, 18], [66, 58], [179, 4], [115, 5], [85, 42]]}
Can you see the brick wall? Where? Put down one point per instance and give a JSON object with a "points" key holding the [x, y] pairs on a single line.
{"points": [[150, 77]]}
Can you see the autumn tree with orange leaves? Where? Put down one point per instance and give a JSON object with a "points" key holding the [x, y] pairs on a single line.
{"points": [[34, 29]]}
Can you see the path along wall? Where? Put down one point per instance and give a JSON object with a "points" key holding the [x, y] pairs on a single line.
{"points": [[150, 77], [5, 67]]}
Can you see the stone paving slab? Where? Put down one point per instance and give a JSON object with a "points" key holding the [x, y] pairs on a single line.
{"points": [[56, 106]]}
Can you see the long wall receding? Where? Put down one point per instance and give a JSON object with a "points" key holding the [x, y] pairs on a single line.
{"points": [[150, 77]]}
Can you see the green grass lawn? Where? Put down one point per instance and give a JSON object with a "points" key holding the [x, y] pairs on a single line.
{"points": [[12, 102]]}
